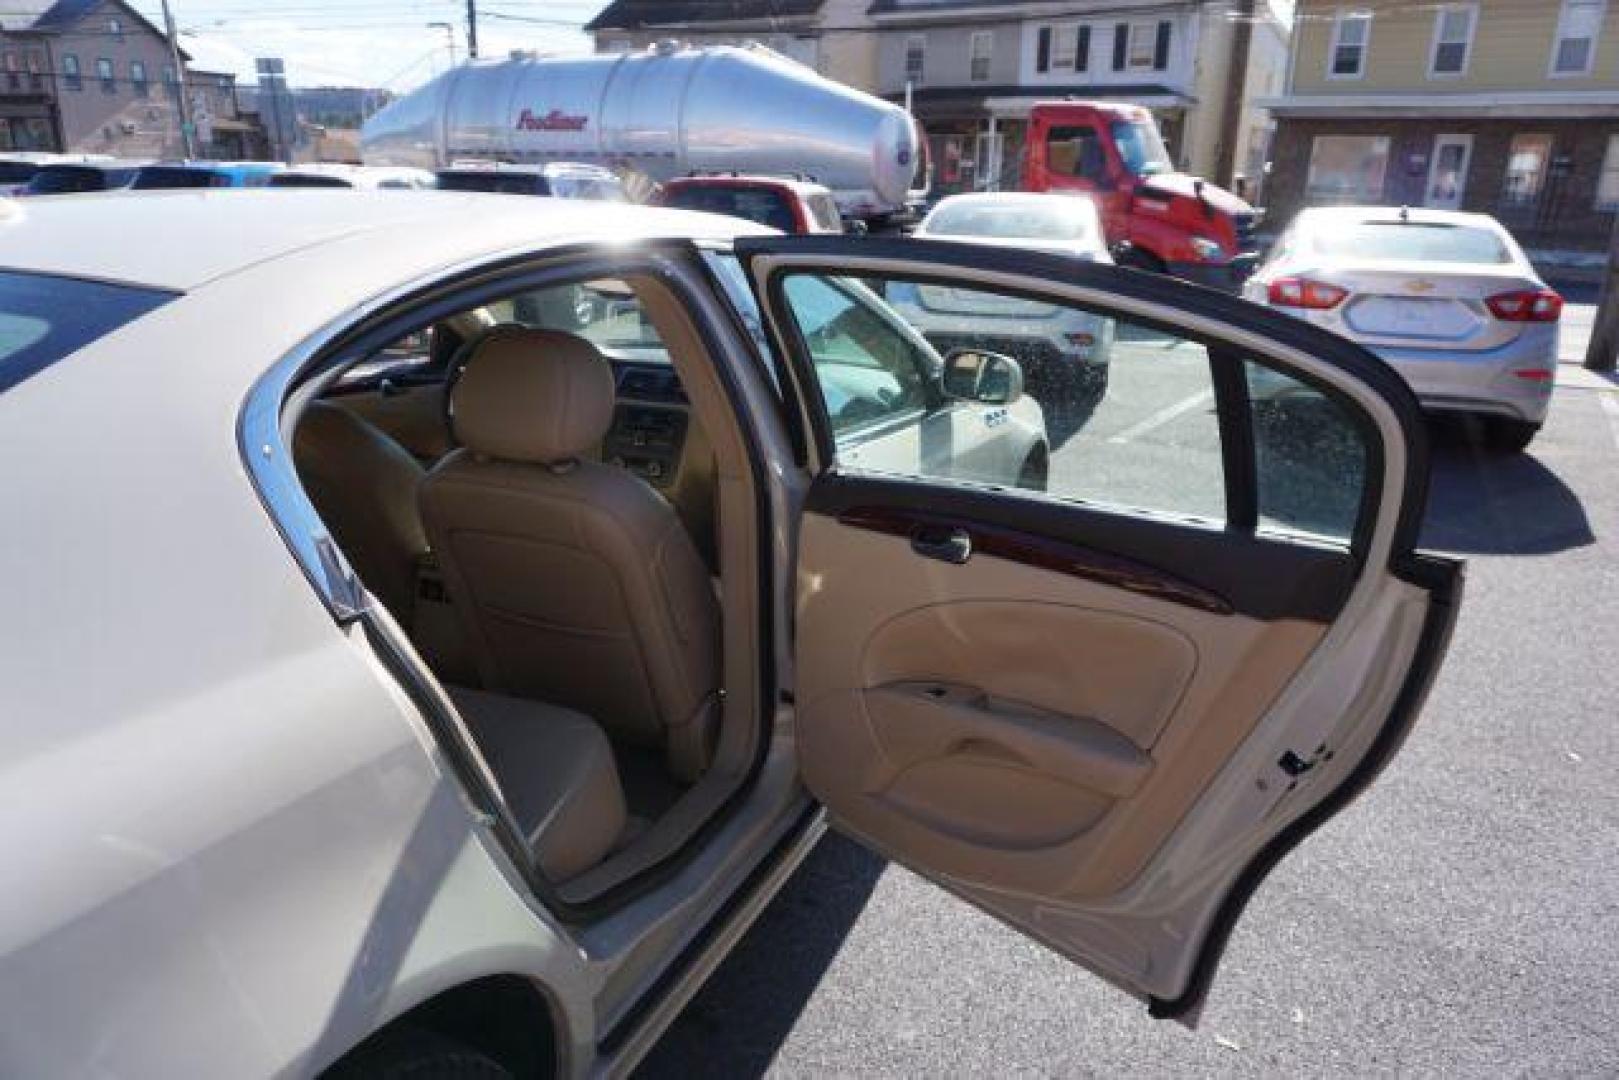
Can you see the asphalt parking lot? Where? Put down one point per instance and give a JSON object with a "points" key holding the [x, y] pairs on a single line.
{"points": [[1459, 919]]}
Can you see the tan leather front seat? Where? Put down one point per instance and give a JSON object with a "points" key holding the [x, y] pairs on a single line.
{"points": [[574, 580], [364, 486]]}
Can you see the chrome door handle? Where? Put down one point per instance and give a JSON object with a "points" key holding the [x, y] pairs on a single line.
{"points": [[943, 542]]}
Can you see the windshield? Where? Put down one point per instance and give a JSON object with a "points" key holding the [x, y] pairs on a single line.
{"points": [[1409, 241], [175, 177], [1054, 218], [767, 206], [1141, 147], [45, 318]]}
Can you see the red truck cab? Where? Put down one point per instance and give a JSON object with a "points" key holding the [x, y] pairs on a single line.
{"points": [[1155, 218]]}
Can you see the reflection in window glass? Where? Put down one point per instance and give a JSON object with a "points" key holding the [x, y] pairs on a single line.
{"points": [[1311, 458], [918, 382]]}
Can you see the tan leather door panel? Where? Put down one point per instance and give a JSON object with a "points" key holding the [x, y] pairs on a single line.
{"points": [[1022, 727], [413, 416]]}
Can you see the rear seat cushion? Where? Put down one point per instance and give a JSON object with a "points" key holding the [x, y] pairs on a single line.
{"points": [[556, 771]]}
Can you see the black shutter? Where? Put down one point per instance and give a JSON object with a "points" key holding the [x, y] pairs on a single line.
{"points": [[1082, 55], [1042, 55], [1121, 44], [1160, 53]]}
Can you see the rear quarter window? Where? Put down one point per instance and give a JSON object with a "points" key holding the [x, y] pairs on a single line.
{"points": [[44, 318]]}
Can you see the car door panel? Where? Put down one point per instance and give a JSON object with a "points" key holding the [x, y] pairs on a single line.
{"points": [[1100, 725]]}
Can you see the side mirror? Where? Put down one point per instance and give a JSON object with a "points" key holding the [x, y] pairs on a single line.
{"points": [[985, 377]]}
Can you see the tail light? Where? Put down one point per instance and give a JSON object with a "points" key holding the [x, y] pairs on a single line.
{"points": [[1526, 305], [1304, 293]]}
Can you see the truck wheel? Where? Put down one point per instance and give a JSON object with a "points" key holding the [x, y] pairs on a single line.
{"points": [[414, 1053], [1509, 436], [1141, 259]]}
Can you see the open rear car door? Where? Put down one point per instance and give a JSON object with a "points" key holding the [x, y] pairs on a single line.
{"points": [[1094, 640]]}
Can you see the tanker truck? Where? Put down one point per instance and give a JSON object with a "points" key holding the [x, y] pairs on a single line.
{"points": [[654, 115]]}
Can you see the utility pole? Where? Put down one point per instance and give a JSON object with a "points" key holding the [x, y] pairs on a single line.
{"points": [[188, 127], [472, 29], [1604, 348], [449, 36], [1236, 91]]}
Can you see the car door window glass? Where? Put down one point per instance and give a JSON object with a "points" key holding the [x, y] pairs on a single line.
{"points": [[1112, 412], [1311, 458], [1075, 151]]}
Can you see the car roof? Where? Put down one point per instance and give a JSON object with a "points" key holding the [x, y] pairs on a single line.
{"points": [[180, 240], [745, 180]]}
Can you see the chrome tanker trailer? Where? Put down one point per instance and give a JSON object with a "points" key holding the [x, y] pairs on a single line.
{"points": [[666, 112]]}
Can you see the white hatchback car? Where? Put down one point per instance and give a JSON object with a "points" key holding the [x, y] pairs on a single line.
{"points": [[1448, 299], [437, 625], [1055, 343]]}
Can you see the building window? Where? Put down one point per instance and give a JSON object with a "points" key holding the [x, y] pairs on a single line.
{"points": [[1575, 46], [36, 71], [137, 77], [1064, 48], [1141, 46], [1351, 33], [1347, 168], [1608, 184], [916, 54], [109, 84], [1452, 39], [1526, 169], [13, 79], [70, 72], [115, 27], [980, 48]]}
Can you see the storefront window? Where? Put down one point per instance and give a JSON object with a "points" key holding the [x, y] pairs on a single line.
{"points": [[1608, 185], [1526, 169], [1347, 168]]}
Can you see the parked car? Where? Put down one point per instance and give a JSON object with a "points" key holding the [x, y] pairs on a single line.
{"points": [[398, 682], [76, 177], [205, 174], [369, 177], [1056, 343], [1448, 299], [561, 180], [790, 204]]}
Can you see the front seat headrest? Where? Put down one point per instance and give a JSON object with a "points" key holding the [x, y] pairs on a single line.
{"points": [[531, 395]]}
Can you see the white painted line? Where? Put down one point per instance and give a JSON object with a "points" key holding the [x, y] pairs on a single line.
{"points": [[1162, 417], [1610, 405]]}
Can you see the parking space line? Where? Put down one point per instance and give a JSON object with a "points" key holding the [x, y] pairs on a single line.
{"points": [[1162, 417], [1610, 406]]}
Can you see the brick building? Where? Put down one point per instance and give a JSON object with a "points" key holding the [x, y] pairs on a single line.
{"points": [[1509, 107]]}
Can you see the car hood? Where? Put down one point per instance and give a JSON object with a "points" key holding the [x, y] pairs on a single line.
{"points": [[1167, 184]]}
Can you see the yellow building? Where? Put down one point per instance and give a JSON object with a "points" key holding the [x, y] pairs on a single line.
{"points": [[1509, 107]]}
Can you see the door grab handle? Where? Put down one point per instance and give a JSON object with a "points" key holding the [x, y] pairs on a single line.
{"points": [[943, 542]]}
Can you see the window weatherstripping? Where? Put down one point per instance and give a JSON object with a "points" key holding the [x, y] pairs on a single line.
{"points": [[1453, 28], [1351, 34], [1574, 47], [980, 50]]}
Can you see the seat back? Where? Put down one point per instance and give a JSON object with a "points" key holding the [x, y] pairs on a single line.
{"points": [[364, 487], [575, 581]]}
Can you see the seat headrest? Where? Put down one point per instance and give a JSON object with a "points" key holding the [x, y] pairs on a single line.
{"points": [[533, 395]]}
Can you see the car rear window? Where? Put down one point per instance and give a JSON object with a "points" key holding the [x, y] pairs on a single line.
{"points": [[162, 176], [1425, 241], [500, 183], [308, 180], [67, 180], [17, 172], [767, 206], [45, 318], [1008, 220]]}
